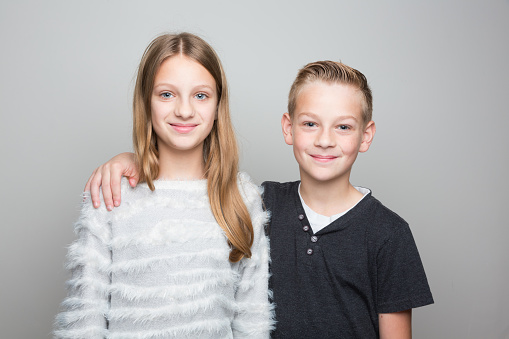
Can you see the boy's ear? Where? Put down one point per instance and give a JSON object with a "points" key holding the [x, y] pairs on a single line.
{"points": [[286, 125], [367, 137]]}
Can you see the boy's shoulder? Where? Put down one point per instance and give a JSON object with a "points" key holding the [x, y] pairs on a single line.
{"points": [[273, 191], [377, 220], [280, 185], [275, 187], [377, 210]]}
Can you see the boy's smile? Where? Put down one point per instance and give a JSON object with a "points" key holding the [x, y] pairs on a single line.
{"points": [[327, 131]]}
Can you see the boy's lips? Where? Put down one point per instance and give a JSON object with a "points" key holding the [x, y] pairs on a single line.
{"points": [[183, 128], [323, 158]]}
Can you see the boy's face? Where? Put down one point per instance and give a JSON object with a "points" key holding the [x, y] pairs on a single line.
{"points": [[327, 131]]}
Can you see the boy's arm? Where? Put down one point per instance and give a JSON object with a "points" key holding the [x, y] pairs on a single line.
{"points": [[108, 176], [397, 325]]}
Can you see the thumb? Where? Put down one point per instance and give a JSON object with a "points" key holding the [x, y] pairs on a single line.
{"points": [[133, 175]]}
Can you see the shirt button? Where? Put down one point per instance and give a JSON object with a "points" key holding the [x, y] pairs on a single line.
{"points": [[305, 228], [301, 216], [309, 251], [314, 238]]}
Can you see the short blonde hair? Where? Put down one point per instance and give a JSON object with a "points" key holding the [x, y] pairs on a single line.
{"points": [[220, 149], [332, 72]]}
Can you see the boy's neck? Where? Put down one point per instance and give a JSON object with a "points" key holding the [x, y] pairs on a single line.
{"points": [[329, 198]]}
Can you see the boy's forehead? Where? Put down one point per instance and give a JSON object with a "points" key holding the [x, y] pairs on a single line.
{"points": [[319, 98]]}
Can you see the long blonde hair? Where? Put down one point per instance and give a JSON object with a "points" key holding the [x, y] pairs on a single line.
{"points": [[220, 147]]}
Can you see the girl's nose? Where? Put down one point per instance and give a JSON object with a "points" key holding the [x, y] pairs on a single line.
{"points": [[184, 109]]}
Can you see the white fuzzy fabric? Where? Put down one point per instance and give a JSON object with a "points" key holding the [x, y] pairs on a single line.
{"points": [[157, 267]]}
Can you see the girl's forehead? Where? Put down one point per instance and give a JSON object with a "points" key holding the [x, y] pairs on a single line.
{"points": [[183, 69]]}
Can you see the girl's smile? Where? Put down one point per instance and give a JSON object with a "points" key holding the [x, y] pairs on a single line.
{"points": [[183, 128]]}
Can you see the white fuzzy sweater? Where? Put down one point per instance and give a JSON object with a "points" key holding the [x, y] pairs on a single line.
{"points": [[157, 267]]}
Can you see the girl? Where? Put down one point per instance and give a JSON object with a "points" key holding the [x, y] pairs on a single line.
{"points": [[186, 255]]}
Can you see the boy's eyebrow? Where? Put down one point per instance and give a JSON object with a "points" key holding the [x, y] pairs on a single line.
{"points": [[316, 116]]}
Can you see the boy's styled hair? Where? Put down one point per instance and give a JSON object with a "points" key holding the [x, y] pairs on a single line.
{"points": [[220, 147], [332, 72]]}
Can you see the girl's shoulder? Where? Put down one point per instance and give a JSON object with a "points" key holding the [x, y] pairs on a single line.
{"points": [[248, 189], [129, 195], [252, 196]]}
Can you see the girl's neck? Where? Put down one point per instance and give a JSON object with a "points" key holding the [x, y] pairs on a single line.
{"points": [[186, 165]]}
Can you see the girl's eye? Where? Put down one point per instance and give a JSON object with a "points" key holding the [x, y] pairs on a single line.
{"points": [[309, 124], [166, 95], [201, 96]]}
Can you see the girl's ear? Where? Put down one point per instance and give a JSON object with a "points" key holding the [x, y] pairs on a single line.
{"points": [[367, 136], [286, 125]]}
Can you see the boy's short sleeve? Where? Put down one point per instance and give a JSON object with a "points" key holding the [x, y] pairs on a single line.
{"points": [[401, 280]]}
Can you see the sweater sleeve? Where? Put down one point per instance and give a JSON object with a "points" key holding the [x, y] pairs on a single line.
{"points": [[255, 314], [84, 310]]}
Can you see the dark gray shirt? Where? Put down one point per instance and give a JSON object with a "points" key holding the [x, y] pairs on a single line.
{"points": [[333, 284]]}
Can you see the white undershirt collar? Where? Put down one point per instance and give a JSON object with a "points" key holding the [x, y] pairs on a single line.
{"points": [[318, 221]]}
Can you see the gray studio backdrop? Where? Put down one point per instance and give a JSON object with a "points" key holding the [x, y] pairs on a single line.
{"points": [[439, 74]]}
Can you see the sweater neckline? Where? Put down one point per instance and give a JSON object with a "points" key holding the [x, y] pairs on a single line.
{"points": [[178, 184]]}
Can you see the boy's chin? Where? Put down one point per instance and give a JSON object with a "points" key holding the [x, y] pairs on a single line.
{"points": [[324, 178]]}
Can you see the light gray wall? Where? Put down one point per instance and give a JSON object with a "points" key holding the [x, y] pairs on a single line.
{"points": [[439, 74]]}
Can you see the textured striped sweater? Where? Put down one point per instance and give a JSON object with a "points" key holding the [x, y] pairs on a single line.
{"points": [[157, 267]]}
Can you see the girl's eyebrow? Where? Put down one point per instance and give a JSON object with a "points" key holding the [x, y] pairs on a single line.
{"points": [[163, 84]]}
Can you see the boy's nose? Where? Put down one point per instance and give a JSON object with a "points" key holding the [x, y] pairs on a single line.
{"points": [[184, 109], [325, 139]]}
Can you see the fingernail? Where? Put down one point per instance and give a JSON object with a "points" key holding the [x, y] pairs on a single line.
{"points": [[109, 207], [96, 204], [116, 203]]}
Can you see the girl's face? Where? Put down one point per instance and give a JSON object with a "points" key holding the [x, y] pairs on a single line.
{"points": [[184, 105]]}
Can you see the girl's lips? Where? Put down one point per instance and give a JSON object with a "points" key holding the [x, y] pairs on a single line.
{"points": [[183, 128]]}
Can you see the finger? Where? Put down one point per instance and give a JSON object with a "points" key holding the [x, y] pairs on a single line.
{"points": [[133, 181], [115, 177], [95, 185], [133, 175], [87, 186], [106, 187]]}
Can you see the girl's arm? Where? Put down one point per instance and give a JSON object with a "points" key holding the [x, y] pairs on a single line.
{"points": [[85, 308], [108, 176], [396, 325], [255, 315]]}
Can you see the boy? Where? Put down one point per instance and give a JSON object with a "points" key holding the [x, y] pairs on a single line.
{"points": [[343, 265]]}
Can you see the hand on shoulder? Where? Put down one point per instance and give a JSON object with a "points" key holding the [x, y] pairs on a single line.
{"points": [[108, 176]]}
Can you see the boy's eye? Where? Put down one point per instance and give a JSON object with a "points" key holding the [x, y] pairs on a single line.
{"points": [[309, 124], [344, 127], [166, 95], [201, 96]]}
